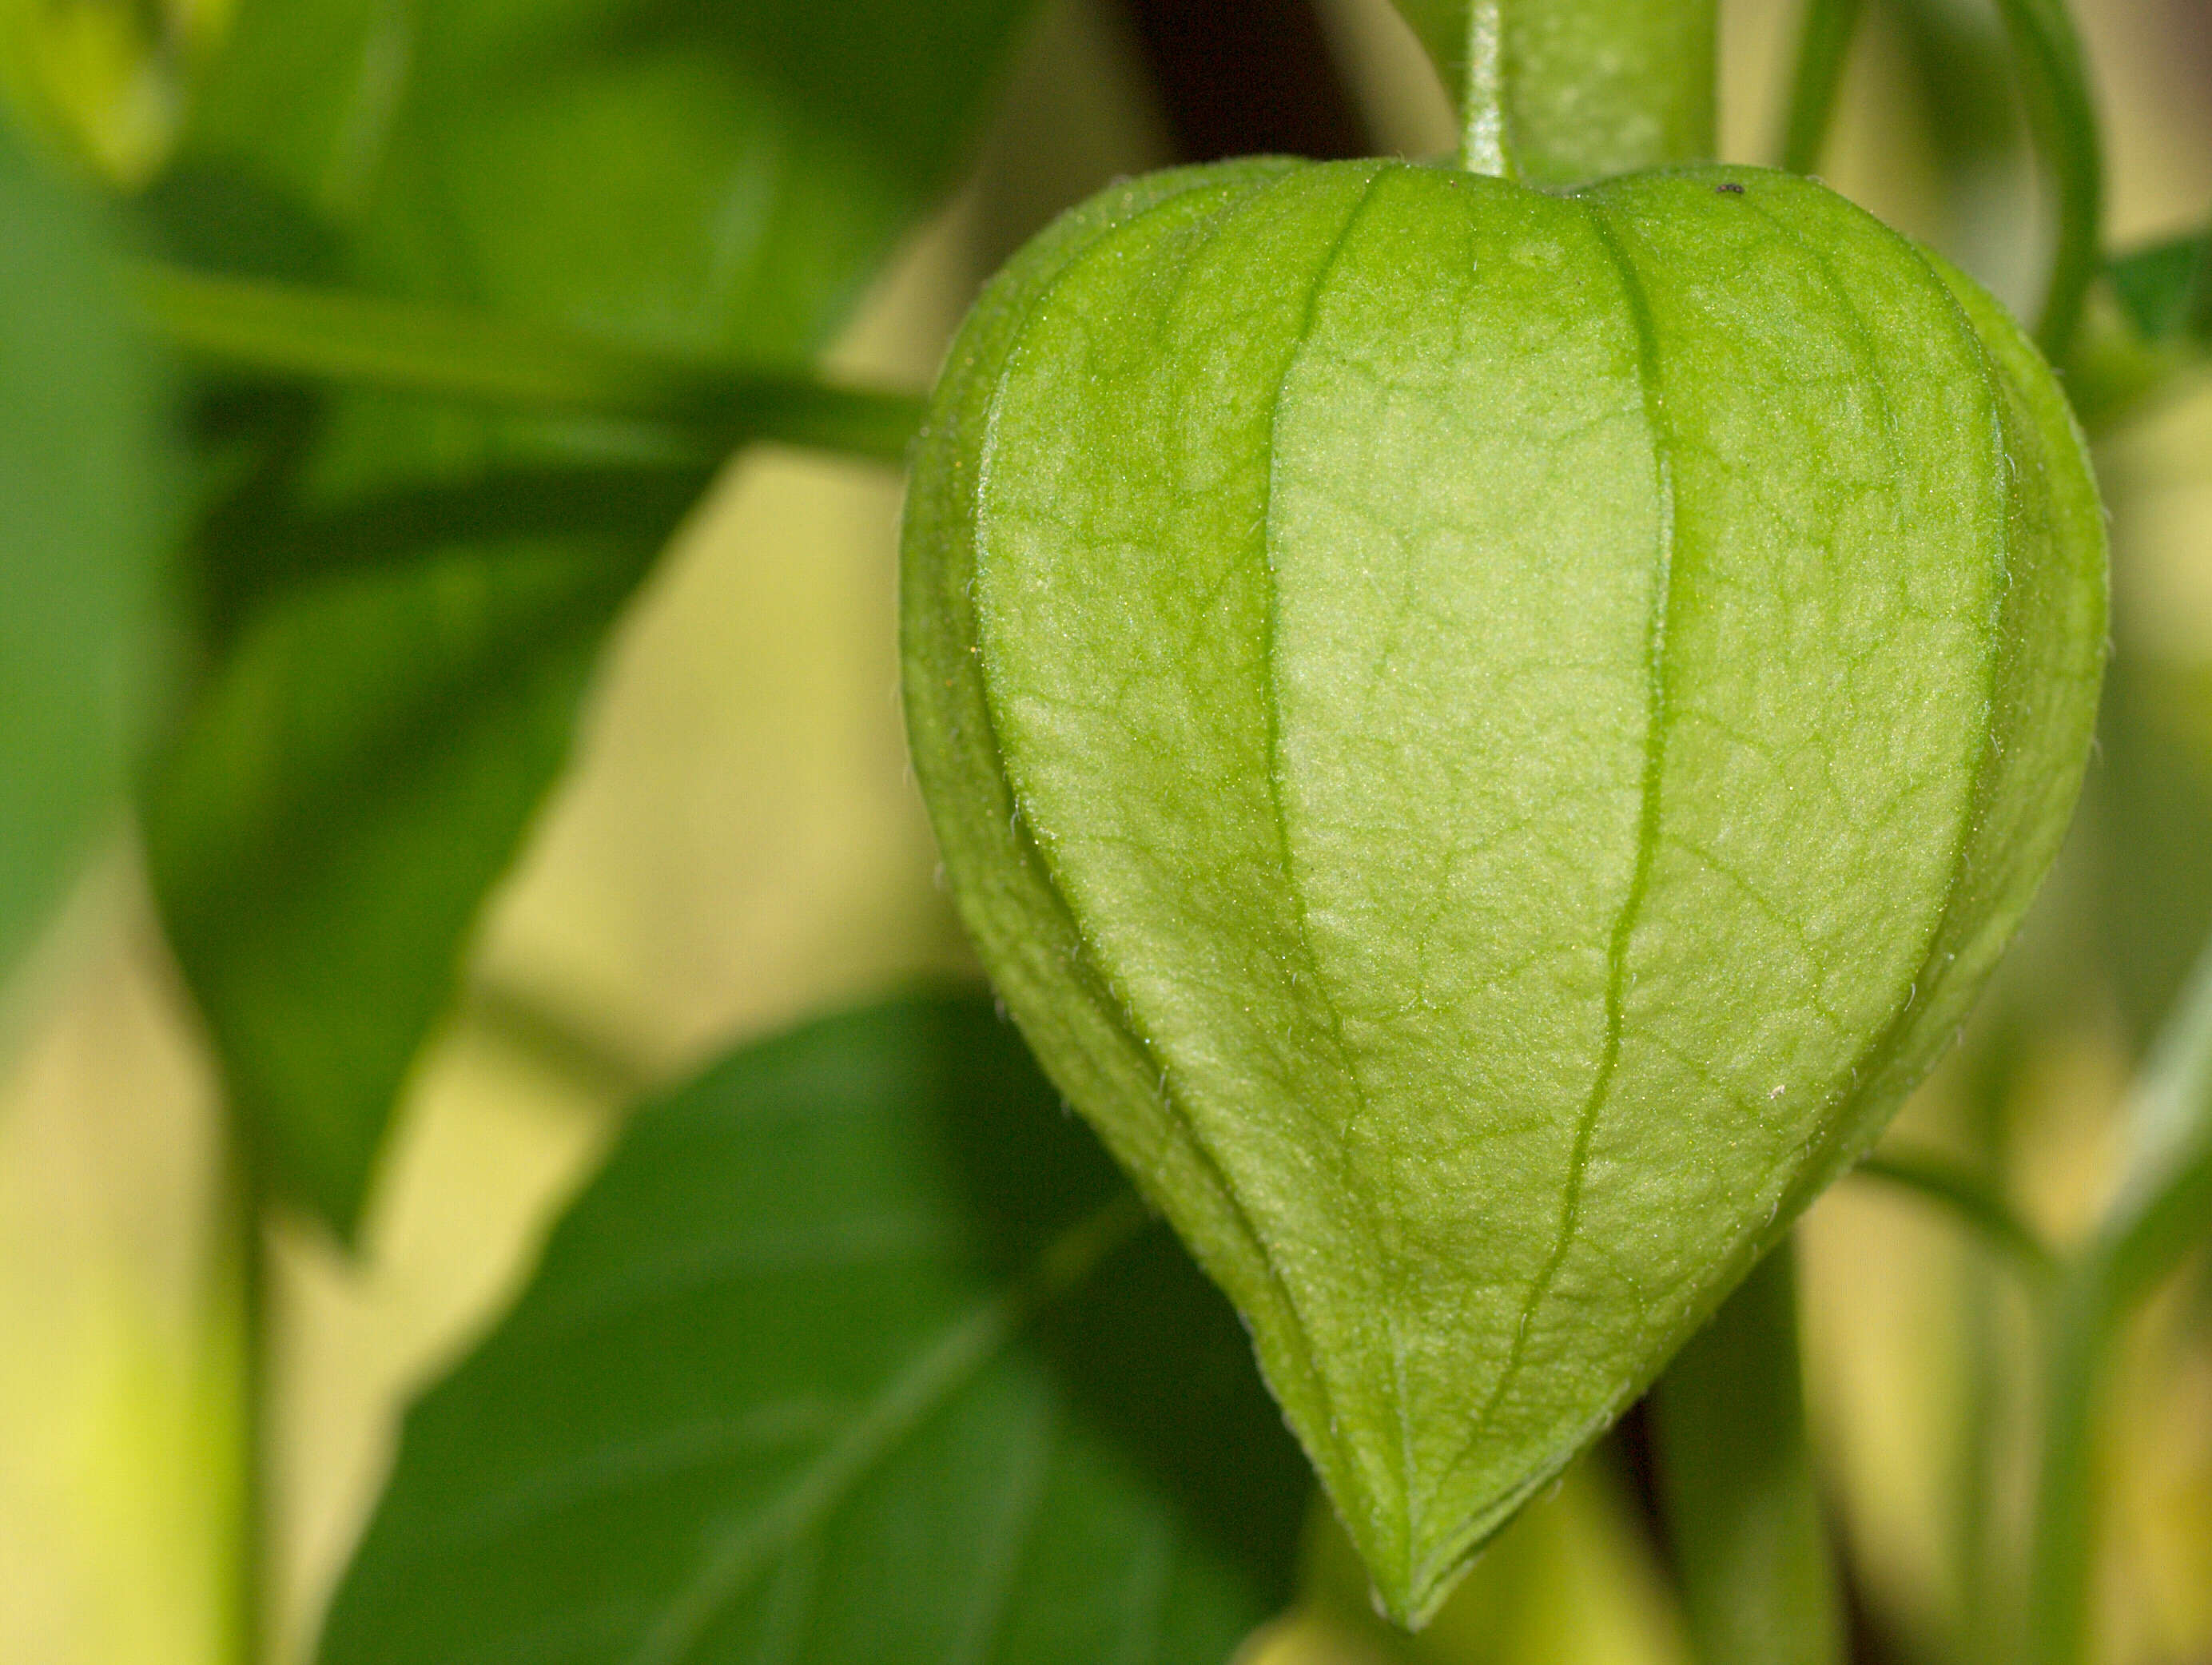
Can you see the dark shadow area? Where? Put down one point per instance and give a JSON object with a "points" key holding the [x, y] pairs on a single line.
{"points": [[1249, 77], [1635, 1453]]}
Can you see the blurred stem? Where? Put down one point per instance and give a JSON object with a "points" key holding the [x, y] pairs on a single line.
{"points": [[2163, 1209], [1987, 1597], [552, 1039], [1736, 1482], [252, 1558], [2062, 1566], [1975, 1563], [469, 358], [1972, 1199], [2063, 116], [1824, 47]]}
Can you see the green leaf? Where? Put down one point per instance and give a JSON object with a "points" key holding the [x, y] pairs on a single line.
{"points": [[696, 179], [355, 773], [83, 471], [1743, 1513], [2165, 289], [690, 173], [847, 1356]]}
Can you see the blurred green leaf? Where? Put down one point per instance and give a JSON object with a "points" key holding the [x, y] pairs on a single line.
{"points": [[848, 1355], [1442, 27], [687, 176], [2153, 336], [103, 81], [357, 771], [2165, 289], [84, 466], [685, 173]]}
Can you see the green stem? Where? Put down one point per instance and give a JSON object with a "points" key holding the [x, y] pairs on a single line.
{"points": [[2063, 116], [251, 1563], [579, 1054], [2164, 1205], [2163, 1209], [1988, 1599], [1563, 92], [1824, 47], [397, 346], [1972, 1199], [1486, 144], [2063, 1564], [1736, 1484]]}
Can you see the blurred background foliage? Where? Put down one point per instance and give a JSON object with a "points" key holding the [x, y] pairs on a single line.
{"points": [[735, 844]]}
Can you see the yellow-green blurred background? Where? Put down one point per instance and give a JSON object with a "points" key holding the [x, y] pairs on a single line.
{"points": [[740, 844]]}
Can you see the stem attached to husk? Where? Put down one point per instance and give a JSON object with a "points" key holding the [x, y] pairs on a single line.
{"points": [[1570, 91], [1485, 141]]}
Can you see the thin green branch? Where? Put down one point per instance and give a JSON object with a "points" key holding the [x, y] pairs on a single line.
{"points": [[2163, 1209], [1736, 1483], [2063, 116], [247, 1207], [1972, 1199], [439, 353], [1824, 47], [2061, 1564], [2164, 1206], [580, 1054]]}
